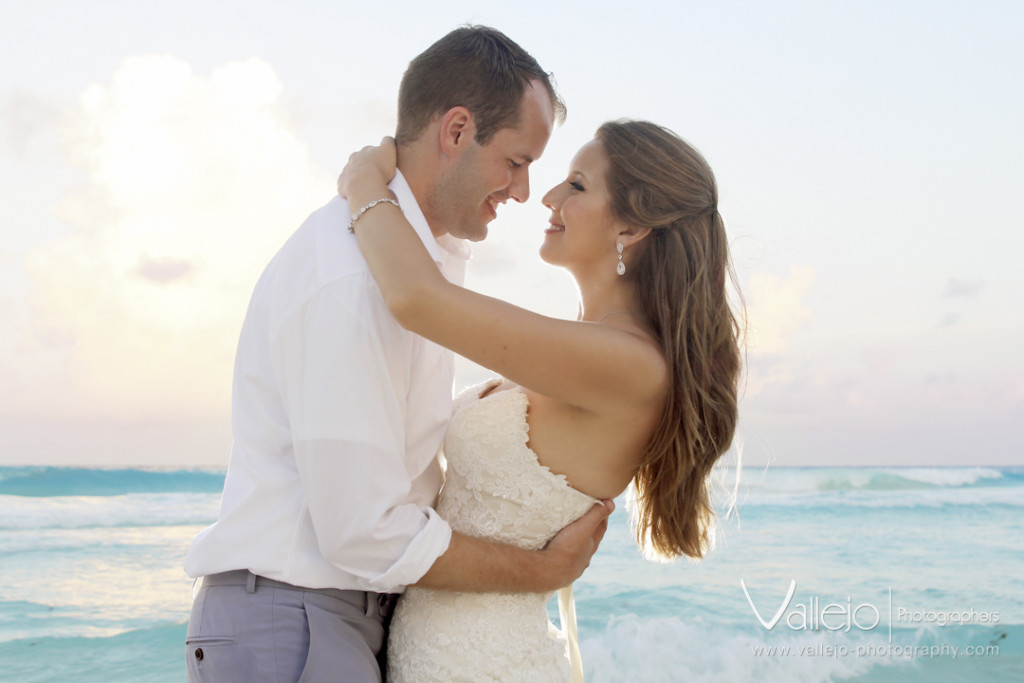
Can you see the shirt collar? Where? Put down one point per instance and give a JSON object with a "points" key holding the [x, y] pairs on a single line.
{"points": [[441, 249]]}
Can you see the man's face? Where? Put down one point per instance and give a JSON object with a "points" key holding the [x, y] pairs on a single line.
{"points": [[468, 193]]}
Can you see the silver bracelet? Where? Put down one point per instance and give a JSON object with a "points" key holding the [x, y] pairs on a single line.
{"points": [[360, 212]]}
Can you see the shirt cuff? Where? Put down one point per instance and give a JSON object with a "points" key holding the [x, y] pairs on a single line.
{"points": [[419, 556]]}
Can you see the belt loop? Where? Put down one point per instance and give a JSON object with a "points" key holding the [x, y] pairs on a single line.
{"points": [[371, 603], [250, 583]]}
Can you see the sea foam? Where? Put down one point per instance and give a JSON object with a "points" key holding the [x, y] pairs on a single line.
{"points": [[135, 509]]}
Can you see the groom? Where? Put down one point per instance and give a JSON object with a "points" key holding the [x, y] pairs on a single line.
{"points": [[338, 412]]}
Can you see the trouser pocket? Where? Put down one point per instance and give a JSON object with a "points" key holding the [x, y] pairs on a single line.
{"points": [[210, 658]]}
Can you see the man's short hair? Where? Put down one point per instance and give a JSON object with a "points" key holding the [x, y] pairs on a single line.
{"points": [[476, 67]]}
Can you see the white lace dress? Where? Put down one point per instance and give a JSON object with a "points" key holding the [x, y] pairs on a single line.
{"points": [[494, 489]]}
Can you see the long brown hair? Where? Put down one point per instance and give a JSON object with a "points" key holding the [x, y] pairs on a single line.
{"points": [[658, 181]]}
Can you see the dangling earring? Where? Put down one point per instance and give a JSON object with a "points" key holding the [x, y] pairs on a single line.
{"points": [[621, 267]]}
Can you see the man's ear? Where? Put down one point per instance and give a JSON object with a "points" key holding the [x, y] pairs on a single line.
{"points": [[456, 130]]}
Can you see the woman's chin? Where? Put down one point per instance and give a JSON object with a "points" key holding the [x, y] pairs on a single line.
{"points": [[547, 257]]}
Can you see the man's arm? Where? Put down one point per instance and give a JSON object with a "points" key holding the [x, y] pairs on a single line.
{"points": [[343, 370], [474, 565], [349, 441]]}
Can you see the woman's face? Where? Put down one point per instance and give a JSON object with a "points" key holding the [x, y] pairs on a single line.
{"points": [[582, 233]]}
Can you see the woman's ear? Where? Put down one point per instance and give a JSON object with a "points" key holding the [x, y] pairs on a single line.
{"points": [[457, 128], [630, 234]]}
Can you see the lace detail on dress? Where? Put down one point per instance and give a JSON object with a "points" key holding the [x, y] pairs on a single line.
{"points": [[494, 489]]}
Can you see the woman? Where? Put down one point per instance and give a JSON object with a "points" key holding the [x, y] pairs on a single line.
{"points": [[641, 389]]}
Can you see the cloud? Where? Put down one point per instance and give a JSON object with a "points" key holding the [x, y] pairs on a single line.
{"points": [[963, 288], [26, 119], [194, 181], [162, 270], [775, 308]]}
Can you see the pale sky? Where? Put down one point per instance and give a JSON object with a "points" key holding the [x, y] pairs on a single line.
{"points": [[153, 157]]}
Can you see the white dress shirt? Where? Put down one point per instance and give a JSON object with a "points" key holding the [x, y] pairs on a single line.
{"points": [[338, 414]]}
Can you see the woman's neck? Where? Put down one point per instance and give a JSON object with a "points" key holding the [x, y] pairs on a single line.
{"points": [[606, 299]]}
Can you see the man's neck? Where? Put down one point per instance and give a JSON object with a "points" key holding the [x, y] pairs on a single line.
{"points": [[420, 173]]}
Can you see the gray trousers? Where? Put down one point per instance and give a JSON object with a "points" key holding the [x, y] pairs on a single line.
{"points": [[247, 629]]}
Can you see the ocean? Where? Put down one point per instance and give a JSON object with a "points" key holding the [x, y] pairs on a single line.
{"points": [[825, 574]]}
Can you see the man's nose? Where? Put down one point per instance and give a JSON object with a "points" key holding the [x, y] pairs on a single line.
{"points": [[519, 190]]}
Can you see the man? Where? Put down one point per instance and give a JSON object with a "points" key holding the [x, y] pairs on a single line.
{"points": [[338, 413]]}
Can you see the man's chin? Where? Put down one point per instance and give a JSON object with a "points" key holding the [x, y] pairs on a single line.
{"points": [[474, 234]]}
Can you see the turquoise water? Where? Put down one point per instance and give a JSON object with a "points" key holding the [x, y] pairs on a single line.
{"points": [[863, 574]]}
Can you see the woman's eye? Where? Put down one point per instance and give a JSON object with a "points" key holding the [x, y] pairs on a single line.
{"points": [[576, 186], [514, 164]]}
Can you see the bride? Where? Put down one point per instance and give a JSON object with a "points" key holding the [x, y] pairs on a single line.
{"points": [[640, 390]]}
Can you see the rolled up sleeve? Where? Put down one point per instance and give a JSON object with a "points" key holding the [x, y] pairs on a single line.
{"points": [[345, 368]]}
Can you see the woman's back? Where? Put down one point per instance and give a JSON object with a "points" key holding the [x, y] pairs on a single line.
{"points": [[598, 450]]}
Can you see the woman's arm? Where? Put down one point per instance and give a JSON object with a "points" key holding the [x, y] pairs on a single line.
{"points": [[596, 367]]}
